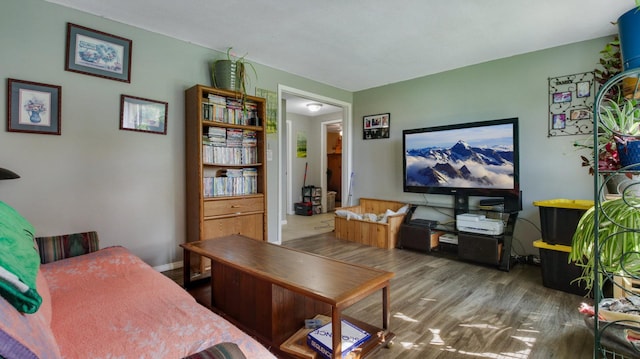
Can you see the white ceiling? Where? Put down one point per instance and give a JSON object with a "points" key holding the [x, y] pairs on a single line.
{"points": [[361, 44], [298, 105]]}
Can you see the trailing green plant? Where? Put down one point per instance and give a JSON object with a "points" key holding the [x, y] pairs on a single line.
{"points": [[609, 64], [619, 244]]}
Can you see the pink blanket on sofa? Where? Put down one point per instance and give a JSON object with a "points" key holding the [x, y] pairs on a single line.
{"points": [[110, 304]]}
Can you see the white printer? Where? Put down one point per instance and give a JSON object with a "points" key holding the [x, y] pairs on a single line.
{"points": [[478, 223]]}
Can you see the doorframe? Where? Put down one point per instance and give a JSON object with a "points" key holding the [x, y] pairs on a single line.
{"points": [[290, 149], [282, 141]]}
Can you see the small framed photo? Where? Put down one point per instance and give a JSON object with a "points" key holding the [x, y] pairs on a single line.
{"points": [[560, 97], [144, 115], [376, 126], [580, 114], [33, 107], [559, 121], [96, 53], [583, 89]]}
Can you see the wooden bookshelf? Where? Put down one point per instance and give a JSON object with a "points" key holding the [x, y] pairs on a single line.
{"points": [[225, 167]]}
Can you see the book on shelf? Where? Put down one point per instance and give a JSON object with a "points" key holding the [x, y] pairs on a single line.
{"points": [[217, 99], [217, 135], [229, 146], [321, 340], [230, 182], [206, 111], [249, 138], [230, 110], [234, 137]]}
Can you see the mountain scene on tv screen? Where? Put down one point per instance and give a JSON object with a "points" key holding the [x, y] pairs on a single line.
{"points": [[461, 166]]}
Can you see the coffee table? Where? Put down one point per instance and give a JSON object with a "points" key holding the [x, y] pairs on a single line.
{"points": [[268, 290]]}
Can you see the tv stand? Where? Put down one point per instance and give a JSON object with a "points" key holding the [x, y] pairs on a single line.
{"points": [[480, 248]]}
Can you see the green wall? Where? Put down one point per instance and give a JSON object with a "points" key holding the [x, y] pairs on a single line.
{"points": [[129, 186], [550, 167]]}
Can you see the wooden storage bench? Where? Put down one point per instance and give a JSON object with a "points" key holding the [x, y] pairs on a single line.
{"points": [[381, 235]]}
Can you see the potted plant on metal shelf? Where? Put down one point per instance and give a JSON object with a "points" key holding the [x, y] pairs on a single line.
{"points": [[619, 243], [621, 120]]}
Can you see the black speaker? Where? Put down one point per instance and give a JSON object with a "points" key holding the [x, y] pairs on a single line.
{"points": [[513, 203], [479, 248], [414, 237], [461, 203]]}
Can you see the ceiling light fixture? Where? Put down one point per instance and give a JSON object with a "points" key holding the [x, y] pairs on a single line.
{"points": [[314, 107]]}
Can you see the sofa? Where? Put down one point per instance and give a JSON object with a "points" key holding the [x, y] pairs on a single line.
{"points": [[62, 297], [374, 222]]}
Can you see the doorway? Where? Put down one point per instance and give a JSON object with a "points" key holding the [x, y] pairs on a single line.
{"points": [[288, 191], [332, 146]]}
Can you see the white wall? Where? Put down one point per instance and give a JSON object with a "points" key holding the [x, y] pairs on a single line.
{"points": [[550, 167], [303, 125]]}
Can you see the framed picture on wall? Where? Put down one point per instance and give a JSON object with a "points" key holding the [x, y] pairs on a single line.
{"points": [[376, 126], [144, 115], [33, 107], [571, 100], [96, 53]]}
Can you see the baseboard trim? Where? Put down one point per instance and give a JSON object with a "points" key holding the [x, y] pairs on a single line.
{"points": [[169, 266]]}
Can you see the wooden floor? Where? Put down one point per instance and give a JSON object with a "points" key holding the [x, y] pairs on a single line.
{"points": [[444, 308]]}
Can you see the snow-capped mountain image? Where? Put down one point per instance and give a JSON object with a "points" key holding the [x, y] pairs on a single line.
{"points": [[460, 165]]}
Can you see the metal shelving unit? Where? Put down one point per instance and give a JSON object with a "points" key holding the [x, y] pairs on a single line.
{"points": [[605, 333]]}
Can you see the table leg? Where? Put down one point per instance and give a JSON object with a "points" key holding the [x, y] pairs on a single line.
{"points": [[186, 269], [386, 313], [336, 328]]}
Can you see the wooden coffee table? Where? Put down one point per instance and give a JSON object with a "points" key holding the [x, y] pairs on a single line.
{"points": [[268, 290]]}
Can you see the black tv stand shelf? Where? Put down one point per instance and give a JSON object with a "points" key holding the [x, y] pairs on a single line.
{"points": [[487, 249]]}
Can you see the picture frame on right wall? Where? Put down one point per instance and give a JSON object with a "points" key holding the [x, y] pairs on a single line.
{"points": [[143, 115], [376, 126]]}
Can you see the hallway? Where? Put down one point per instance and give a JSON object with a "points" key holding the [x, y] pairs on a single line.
{"points": [[305, 226]]}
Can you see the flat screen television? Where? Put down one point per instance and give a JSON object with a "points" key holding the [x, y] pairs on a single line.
{"points": [[469, 159]]}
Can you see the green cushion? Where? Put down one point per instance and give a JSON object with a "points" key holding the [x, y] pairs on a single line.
{"points": [[19, 261]]}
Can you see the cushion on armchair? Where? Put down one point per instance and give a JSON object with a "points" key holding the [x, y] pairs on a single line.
{"points": [[68, 245]]}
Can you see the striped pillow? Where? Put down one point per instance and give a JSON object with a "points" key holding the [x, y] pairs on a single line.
{"points": [[68, 245]]}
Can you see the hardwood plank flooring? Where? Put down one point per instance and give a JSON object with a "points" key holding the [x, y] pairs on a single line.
{"points": [[446, 308]]}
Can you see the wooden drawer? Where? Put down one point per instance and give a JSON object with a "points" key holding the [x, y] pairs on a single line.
{"points": [[233, 206], [247, 225]]}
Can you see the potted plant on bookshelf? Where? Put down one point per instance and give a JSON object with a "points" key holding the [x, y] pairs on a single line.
{"points": [[231, 73], [619, 247]]}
